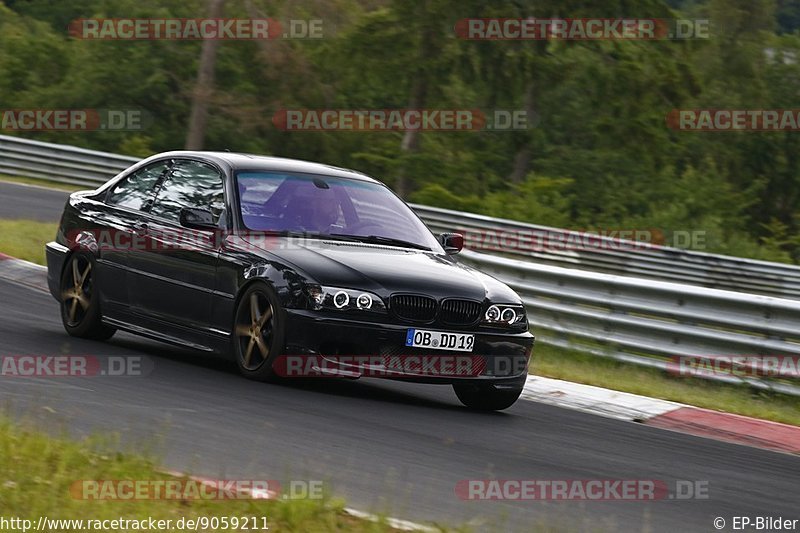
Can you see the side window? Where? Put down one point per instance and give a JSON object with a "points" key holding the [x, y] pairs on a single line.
{"points": [[190, 184], [137, 190]]}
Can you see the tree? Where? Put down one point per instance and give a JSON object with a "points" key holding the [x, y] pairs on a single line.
{"points": [[205, 84]]}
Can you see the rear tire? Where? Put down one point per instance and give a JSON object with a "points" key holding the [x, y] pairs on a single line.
{"points": [[80, 302], [258, 332], [485, 397]]}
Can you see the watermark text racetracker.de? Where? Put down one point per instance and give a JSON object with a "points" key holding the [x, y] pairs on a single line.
{"points": [[65, 366], [196, 489], [543, 239], [580, 29], [40, 119], [430, 365], [177, 29], [581, 489], [742, 366], [403, 120], [724, 120]]}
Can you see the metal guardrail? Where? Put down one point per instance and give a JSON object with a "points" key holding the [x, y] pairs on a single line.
{"points": [[60, 163], [644, 306], [649, 322], [572, 249]]}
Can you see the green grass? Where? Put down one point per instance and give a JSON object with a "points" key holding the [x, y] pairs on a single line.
{"points": [[45, 183], [26, 239], [38, 471], [570, 365]]}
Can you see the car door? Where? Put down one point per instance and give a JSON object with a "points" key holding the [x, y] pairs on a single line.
{"points": [[173, 273], [119, 221]]}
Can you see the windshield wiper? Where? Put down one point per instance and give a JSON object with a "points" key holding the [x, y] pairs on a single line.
{"points": [[380, 239]]}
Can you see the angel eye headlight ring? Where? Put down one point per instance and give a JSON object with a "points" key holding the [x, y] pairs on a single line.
{"points": [[341, 299]]}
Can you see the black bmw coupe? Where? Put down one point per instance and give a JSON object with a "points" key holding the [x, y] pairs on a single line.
{"points": [[291, 268]]}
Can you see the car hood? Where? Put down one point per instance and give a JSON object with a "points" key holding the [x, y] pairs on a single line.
{"points": [[385, 270]]}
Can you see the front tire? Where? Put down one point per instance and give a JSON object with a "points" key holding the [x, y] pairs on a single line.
{"points": [[258, 332], [485, 397], [80, 300]]}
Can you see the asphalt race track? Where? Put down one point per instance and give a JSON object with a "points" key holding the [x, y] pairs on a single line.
{"points": [[32, 203], [391, 447]]}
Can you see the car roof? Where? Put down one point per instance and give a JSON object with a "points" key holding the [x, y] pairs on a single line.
{"points": [[241, 161]]}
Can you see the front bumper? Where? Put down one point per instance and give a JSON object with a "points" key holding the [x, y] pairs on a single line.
{"points": [[368, 349], [56, 255]]}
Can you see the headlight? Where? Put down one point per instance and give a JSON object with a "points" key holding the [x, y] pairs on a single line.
{"points": [[341, 299], [344, 299], [504, 315]]}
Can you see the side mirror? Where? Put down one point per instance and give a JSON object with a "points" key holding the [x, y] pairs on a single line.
{"points": [[197, 218], [451, 242]]}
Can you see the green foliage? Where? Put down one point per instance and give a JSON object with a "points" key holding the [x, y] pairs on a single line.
{"points": [[537, 199], [600, 154], [42, 476]]}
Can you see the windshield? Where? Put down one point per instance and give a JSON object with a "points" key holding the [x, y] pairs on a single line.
{"points": [[325, 205]]}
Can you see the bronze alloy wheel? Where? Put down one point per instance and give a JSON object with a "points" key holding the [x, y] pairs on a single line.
{"points": [[256, 333], [80, 307], [76, 298]]}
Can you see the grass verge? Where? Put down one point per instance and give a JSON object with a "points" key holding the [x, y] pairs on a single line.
{"points": [[574, 366], [38, 472], [26, 239]]}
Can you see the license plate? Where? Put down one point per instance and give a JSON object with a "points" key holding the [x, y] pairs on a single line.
{"points": [[439, 340]]}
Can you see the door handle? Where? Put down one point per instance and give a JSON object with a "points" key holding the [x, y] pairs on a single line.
{"points": [[140, 227]]}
